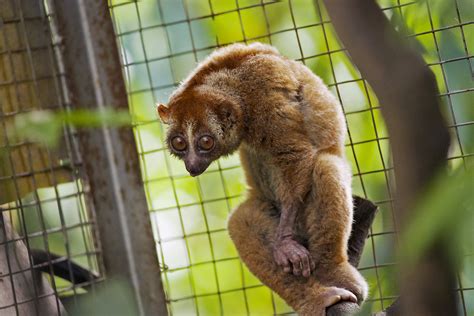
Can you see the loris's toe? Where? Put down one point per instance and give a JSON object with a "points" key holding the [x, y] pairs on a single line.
{"points": [[337, 294]]}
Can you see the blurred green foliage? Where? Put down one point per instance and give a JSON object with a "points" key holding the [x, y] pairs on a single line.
{"points": [[160, 47], [45, 126], [432, 221], [162, 41]]}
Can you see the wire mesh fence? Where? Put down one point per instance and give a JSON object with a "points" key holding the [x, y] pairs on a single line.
{"points": [[42, 193], [161, 42], [45, 194]]}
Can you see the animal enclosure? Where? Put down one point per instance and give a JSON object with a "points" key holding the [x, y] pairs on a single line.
{"points": [[47, 195]]}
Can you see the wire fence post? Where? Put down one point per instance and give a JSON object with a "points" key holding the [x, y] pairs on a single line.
{"points": [[95, 80]]}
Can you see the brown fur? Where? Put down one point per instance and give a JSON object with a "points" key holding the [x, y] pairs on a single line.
{"points": [[290, 130]]}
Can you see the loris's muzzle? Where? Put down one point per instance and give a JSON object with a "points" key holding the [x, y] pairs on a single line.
{"points": [[196, 165]]}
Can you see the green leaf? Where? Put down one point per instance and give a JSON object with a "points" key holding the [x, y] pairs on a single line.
{"points": [[441, 212], [45, 127]]}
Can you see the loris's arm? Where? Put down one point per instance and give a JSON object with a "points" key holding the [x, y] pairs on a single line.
{"points": [[291, 162], [287, 252], [294, 163]]}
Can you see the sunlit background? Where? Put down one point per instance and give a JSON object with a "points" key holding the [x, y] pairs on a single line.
{"points": [[162, 41]]}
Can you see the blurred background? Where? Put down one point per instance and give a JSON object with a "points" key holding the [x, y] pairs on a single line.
{"points": [[160, 42]]}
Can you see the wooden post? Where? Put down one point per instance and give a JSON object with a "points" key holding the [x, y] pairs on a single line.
{"points": [[95, 81]]}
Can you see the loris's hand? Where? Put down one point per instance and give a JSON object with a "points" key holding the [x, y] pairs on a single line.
{"points": [[293, 257]]}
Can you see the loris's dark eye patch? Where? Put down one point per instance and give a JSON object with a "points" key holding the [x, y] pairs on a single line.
{"points": [[206, 143], [178, 143]]}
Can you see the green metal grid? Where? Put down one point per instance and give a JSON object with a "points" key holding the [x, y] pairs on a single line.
{"points": [[162, 40]]}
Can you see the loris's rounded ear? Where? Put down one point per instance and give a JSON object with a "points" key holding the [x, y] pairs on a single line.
{"points": [[163, 112], [229, 113]]}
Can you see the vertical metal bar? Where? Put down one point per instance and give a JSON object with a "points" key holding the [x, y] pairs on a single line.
{"points": [[95, 80]]}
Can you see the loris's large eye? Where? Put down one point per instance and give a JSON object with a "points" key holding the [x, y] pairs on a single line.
{"points": [[178, 143], [206, 143]]}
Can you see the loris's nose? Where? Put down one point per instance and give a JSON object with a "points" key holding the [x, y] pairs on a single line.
{"points": [[193, 169], [194, 166]]}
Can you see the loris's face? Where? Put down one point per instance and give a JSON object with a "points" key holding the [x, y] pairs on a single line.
{"points": [[190, 138], [202, 128], [193, 143]]}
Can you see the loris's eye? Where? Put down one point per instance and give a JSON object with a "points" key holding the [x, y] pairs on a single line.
{"points": [[206, 143], [178, 143]]}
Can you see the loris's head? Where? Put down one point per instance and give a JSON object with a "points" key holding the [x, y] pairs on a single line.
{"points": [[203, 126]]}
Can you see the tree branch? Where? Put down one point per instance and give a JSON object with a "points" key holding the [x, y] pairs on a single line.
{"points": [[364, 214]]}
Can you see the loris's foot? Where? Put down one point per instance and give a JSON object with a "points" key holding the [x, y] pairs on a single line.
{"points": [[336, 294], [293, 257], [325, 298]]}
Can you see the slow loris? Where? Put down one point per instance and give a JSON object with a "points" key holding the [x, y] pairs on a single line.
{"points": [[292, 230]]}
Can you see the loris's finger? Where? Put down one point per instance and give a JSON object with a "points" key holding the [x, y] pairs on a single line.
{"points": [[296, 261], [283, 262], [306, 265], [287, 267], [286, 264]]}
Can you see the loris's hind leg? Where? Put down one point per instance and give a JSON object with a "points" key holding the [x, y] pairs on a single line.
{"points": [[328, 216], [252, 227]]}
